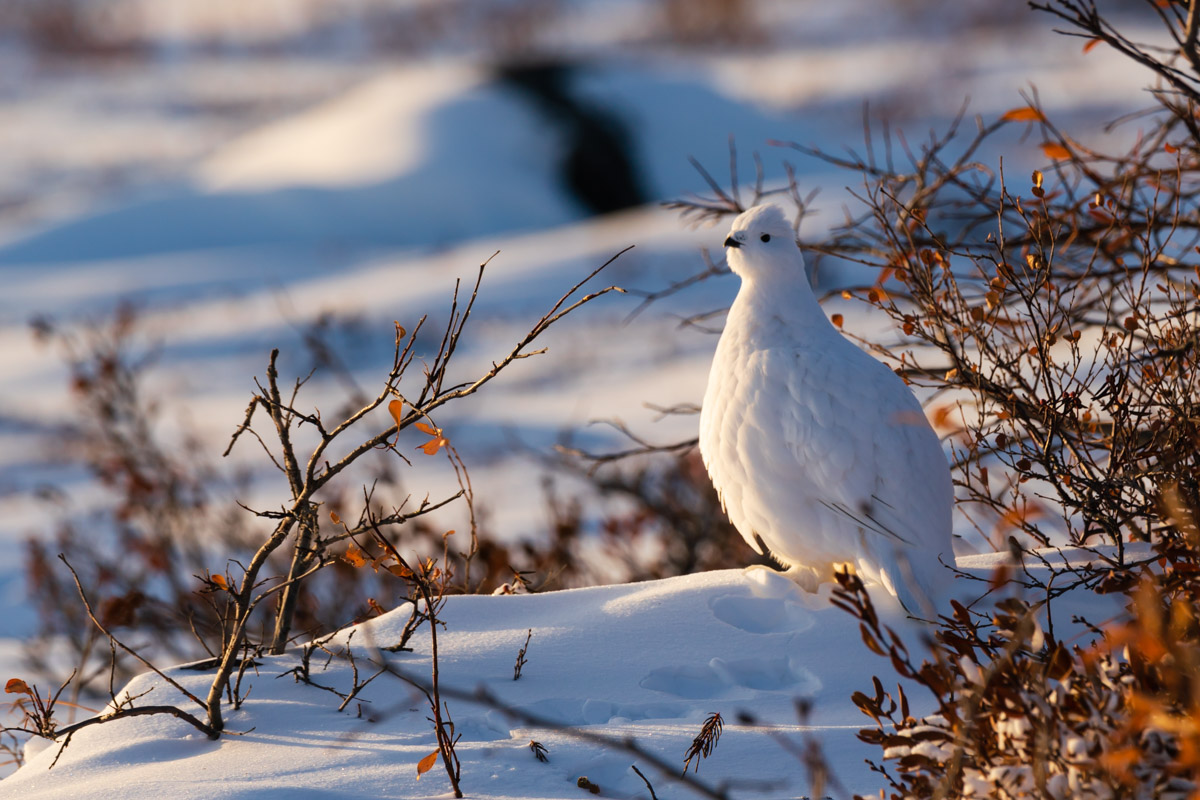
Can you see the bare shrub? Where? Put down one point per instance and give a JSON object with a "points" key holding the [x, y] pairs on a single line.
{"points": [[253, 600]]}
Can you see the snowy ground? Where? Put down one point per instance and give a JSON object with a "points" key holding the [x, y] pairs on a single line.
{"points": [[648, 661], [236, 196]]}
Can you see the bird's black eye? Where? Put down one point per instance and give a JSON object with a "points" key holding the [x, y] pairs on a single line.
{"points": [[766, 237]]}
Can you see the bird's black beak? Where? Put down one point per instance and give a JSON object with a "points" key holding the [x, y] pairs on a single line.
{"points": [[731, 242]]}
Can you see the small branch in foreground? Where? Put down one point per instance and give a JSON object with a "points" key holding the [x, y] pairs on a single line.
{"points": [[645, 780], [174, 683], [521, 656], [705, 742]]}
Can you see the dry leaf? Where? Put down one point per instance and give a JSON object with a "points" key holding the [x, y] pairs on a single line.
{"points": [[1090, 44], [425, 428], [1056, 151], [354, 556], [396, 409], [836, 319], [399, 570], [17, 686], [426, 764], [333, 515], [1023, 114], [219, 580], [431, 447]]}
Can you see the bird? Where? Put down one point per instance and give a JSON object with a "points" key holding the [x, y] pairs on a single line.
{"points": [[821, 455]]}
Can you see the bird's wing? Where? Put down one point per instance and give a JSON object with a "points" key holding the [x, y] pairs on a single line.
{"points": [[873, 457]]}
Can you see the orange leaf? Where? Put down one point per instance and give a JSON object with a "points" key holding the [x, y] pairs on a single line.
{"points": [[431, 447], [399, 570], [219, 580], [1087, 48], [17, 686], [396, 409], [1023, 114], [1056, 151], [333, 515], [355, 557], [941, 417], [426, 764], [423, 428], [1118, 762], [836, 319]]}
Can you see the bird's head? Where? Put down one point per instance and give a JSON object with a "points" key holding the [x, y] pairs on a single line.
{"points": [[761, 243]]}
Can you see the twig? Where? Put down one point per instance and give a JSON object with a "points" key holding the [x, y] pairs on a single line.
{"points": [[88, 606]]}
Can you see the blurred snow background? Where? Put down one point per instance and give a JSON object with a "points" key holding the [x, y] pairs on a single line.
{"points": [[242, 171]]}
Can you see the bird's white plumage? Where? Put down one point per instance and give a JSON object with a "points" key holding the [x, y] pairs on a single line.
{"points": [[815, 447]]}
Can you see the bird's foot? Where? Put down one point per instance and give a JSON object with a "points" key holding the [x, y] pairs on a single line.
{"points": [[802, 576], [806, 578]]}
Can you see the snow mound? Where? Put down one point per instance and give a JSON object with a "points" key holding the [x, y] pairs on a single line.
{"points": [[648, 661]]}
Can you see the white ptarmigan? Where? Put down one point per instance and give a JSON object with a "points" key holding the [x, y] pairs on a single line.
{"points": [[819, 452]]}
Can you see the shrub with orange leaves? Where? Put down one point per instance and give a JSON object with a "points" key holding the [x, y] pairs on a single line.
{"points": [[1062, 324], [1057, 326]]}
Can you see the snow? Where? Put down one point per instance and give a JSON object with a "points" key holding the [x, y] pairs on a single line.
{"points": [[234, 195], [648, 661], [644, 661]]}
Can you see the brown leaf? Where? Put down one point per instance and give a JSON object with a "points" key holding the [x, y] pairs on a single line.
{"points": [[399, 570], [17, 686], [837, 320], [333, 515], [219, 580], [942, 416], [1023, 114], [354, 556], [426, 428], [870, 641], [396, 409], [121, 611], [1087, 48], [426, 764], [1056, 151], [431, 447], [1118, 762]]}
